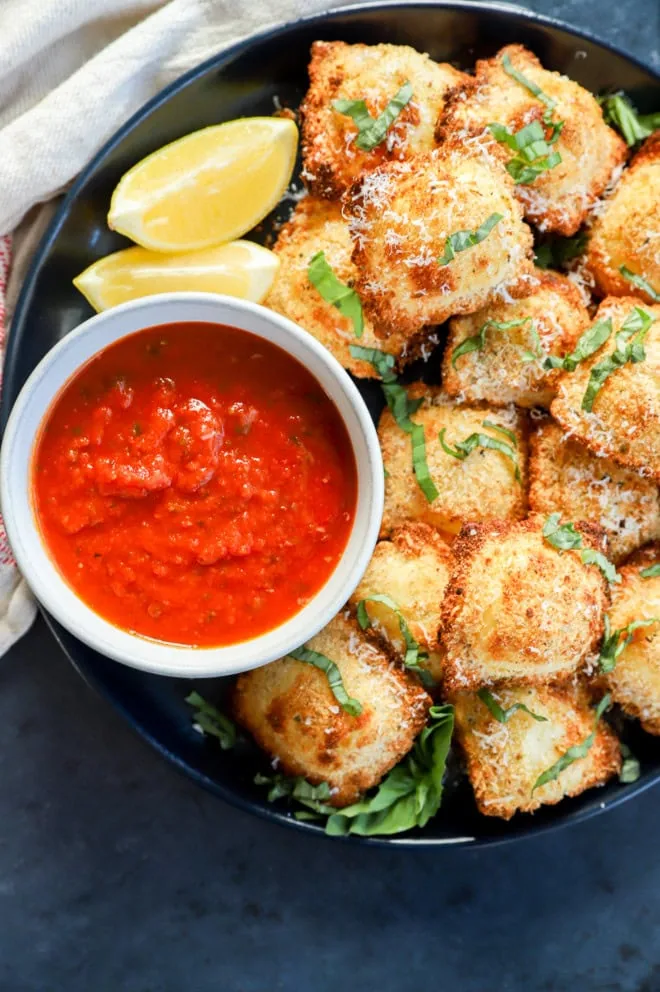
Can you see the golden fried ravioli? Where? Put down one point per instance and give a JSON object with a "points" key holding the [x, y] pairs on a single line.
{"points": [[624, 422], [437, 236], [317, 225], [412, 568], [559, 198], [505, 760], [635, 680], [375, 74], [627, 233], [508, 367], [479, 487], [291, 712], [566, 476], [516, 609]]}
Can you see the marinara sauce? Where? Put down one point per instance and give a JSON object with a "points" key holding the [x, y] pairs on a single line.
{"points": [[194, 484]]}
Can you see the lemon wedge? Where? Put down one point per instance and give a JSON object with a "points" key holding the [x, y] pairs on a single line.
{"points": [[207, 188], [240, 268]]}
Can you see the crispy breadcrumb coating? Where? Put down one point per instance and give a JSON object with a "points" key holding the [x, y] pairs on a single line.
{"points": [[560, 198], [374, 73], [290, 710]]}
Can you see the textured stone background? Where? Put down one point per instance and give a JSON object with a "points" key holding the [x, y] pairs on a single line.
{"points": [[117, 875]]}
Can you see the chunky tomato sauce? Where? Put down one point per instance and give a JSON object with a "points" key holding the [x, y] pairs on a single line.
{"points": [[195, 484]]}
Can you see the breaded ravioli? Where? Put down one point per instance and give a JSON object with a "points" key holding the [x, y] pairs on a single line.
{"points": [[566, 476], [635, 679], [412, 568], [627, 232], [290, 710], [624, 422], [506, 365], [375, 74], [479, 487], [505, 760], [516, 609], [437, 236], [317, 225], [559, 198]]}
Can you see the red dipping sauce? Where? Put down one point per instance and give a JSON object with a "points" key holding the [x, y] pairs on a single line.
{"points": [[194, 484]]}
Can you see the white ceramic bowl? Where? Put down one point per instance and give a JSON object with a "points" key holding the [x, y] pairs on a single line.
{"points": [[34, 401]]}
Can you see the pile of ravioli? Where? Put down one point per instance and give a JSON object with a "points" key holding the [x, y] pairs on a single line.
{"points": [[517, 578]]}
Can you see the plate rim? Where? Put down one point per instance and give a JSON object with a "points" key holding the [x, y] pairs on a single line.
{"points": [[526, 830]]}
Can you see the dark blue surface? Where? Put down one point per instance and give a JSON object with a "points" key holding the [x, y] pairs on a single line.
{"points": [[117, 874]]}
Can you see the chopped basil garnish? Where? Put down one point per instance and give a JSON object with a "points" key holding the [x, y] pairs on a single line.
{"points": [[590, 557], [574, 753], [478, 341], [554, 252], [414, 654], [402, 408], [466, 447], [344, 298], [212, 722], [629, 348], [504, 715], [620, 113], [527, 83], [652, 572], [462, 240], [295, 787], [630, 771], [589, 343], [335, 681], [564, 537], [371, 131], [640, 283], [410, 794], [612, 645], [534, 154]]}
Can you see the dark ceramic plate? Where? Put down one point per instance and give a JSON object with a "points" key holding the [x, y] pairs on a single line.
{"points": [[246, 80]]}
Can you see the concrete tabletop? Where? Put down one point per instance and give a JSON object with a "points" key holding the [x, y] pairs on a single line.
{"points": [[118, 875]]}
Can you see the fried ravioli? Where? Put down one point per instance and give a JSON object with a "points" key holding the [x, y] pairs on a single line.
{"points": [[624, 423], [412, 568], [480, 487], [627, 232], [635, 680], [375, 74], [290, 710], [516, 609], [559, 198], [402, 217], [508, 368], [566, 476], [317, 225], [504, 760]]}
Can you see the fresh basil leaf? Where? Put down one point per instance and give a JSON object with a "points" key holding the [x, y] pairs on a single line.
{"points": [[410, 794], [612, 644], [504, 715], [466, 447], [335, 681], [402, 408], [619, 112], [527, 83], [212, 722], [537, 354], [554, 252], [639, 282], [371, 131], [414, 654], [564, 537], [590, 557], [345, 299], [652, 572], [298, 788], [574, 753], [629, 347], [630, 770], [651, 121], [534, 154], [462, 240], [478, 341], [501, 430], [589, 343]]}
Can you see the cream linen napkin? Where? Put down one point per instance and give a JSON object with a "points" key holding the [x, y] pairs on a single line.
{"points": [[71, 71]]}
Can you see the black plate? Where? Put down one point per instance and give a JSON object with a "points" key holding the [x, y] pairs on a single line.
{"points": [[244, 81]]}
